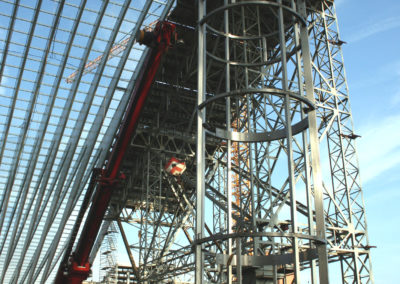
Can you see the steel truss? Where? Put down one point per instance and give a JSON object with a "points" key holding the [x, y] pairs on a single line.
{"points": [[270, 102], [108, 258], [343, 200]]}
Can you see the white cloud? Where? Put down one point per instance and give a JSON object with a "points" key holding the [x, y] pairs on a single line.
{"points": [[375, 27], [379, 147]]}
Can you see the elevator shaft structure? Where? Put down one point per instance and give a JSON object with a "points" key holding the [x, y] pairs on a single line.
{"points": [[268, 114], [284, 94], [254, 103]]}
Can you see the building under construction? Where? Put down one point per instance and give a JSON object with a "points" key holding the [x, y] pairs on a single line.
{"points": [[200, 141]]}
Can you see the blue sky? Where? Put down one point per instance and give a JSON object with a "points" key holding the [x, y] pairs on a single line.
{"points": [[372, 32]]}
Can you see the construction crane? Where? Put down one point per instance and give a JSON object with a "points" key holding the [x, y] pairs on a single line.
{"points": [[115, 50], [75, 266]]}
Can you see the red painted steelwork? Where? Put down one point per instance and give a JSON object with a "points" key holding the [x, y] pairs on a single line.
{"points": [[78, 267]]}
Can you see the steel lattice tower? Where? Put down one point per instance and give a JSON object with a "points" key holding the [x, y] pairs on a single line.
{"points": [[255, 103]]}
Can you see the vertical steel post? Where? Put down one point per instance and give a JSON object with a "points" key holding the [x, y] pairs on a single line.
{"points": [[200, 148], [300, 74], [289, 139], [315, 151], [239, 275], [228, 142]]}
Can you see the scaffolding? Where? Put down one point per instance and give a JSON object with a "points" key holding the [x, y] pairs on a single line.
{"points": [[108, 257]]}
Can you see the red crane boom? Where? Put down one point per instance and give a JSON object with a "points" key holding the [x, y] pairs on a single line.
{"points": [[75, 267]]}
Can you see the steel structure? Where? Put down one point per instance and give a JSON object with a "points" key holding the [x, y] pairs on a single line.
{"points": [[268, 212], [253, 100], [53, 133]]}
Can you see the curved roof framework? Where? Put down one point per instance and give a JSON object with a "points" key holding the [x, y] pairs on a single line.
{"points": [[54, 131]]}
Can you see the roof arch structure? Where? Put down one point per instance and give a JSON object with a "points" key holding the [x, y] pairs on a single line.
{"points": [[65, 67]]}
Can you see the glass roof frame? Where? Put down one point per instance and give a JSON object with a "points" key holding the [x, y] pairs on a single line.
{"points": [[53, 133]]}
